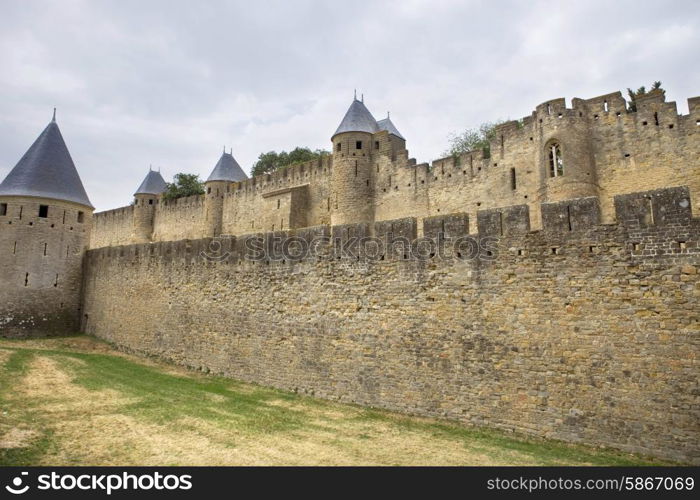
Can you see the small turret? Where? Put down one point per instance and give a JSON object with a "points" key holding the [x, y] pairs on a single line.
{"points": [[352, 182], [397, 142], [145, 202], [388, 125], [45, 223], [226, 171]]}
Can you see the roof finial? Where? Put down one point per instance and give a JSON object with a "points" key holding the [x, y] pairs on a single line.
{"points": [[388, 114], [355, 95], [54, 114], [150, 167], [224, 148], [231, 151], [363, 98], [158, 168]]}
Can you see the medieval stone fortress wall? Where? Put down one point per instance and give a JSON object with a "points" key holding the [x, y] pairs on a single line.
{"points": [[565, 303], [586, 334], [599, 147]]}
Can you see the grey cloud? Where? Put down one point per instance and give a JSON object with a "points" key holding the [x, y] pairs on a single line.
{"points": [[169, 83]]}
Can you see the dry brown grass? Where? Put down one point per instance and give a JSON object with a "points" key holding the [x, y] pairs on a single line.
{"points": [[91, 430], [91, 426]]}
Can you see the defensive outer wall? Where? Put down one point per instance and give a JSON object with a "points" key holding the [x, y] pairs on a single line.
{"points": [[581, 330]]}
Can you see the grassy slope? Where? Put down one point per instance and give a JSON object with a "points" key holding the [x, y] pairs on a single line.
{"points": [[67, 398]]}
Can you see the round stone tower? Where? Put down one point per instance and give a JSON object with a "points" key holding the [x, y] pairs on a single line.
{"points": [[45, 222], [352, 181], [145, 202], [226, 171]]}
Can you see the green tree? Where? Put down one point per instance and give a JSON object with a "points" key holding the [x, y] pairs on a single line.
{"points": [[183, 185], [272, 160], [634, 94], [473, 139]]}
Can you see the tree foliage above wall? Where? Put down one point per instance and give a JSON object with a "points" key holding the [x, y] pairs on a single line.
{"points": [[272, 160], [641, 91], [183, 185], [472, 139]]}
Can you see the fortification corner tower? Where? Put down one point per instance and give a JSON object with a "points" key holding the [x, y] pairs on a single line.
{"points": [[352, 182], [146, 199], [45, 217], [226, 171]]}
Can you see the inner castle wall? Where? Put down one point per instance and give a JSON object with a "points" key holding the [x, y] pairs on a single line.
{"points": [[606, 149], [580, 330]]}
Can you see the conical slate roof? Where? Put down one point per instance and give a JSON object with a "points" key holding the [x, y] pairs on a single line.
{"points": [[46, 171], [227, 169], [357, 119], [388, 125], [152, 184]]}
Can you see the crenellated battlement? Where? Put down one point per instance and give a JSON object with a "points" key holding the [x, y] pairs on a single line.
{"points": [[194, 201], [284, 177], [653, 224], [591, 151]]}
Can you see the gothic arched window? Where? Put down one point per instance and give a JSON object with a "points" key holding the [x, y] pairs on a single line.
{"points": [[556, 164]]}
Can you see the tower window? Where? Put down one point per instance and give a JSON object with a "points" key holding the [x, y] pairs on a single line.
{"points": [[376, 144], [556, 165], [81, 217], [208, 190], [43, 211], [513, 184], [3, 208], [338, 147], [358, 144], [150, 202]]}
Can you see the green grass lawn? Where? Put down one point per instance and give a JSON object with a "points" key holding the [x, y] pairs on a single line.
{"points": [[75, 401]]}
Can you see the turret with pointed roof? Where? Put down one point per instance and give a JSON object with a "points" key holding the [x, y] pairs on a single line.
{"points": [[46, 218], [388, 125], [357, 119], [145, 206], [227, 169], [46, 171], [352, 186], [153, 184]]}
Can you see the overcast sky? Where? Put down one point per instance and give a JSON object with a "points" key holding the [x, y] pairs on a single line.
{"points": [[170, 83]]}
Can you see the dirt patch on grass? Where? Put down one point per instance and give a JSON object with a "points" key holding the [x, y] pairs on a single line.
{"points": [[46, 381], [17, 438], [4, 356]]}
